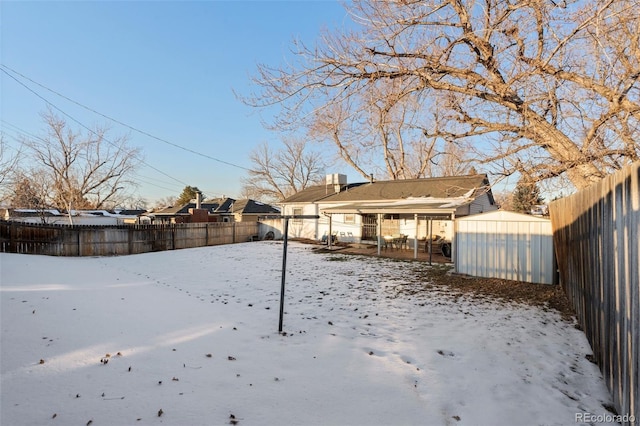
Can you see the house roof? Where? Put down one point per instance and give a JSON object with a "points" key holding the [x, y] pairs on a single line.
{"points": [[31, 212], [437, 188], [220, 206], [249, 206], [83, 212], [317, 193], [210, 205], [131, 212], [224, 205]]}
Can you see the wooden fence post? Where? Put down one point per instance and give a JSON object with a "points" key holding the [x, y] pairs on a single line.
{"points": [[12, 237]]}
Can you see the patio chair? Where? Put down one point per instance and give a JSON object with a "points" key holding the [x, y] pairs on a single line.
{"points": [[334, 238], [438, 246], [402, 241]]}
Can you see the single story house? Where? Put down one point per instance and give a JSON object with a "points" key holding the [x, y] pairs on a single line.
{"points": [[214, 210], [247, 210], [78, 217], [364, 212]]}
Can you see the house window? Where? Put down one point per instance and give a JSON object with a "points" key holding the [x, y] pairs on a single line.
{"points": [[349, 218], [297, 211]]}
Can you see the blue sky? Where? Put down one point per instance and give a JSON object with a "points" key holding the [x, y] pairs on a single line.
{"points": [[166, 68]]}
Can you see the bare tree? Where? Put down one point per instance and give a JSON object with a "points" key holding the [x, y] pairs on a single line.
{"points": [[453, 159], [277, 174], [31, 191], [8, 162], [85, 171], [504, 200], [541, 88], [168, 201], [378, 131], [27, 193]]}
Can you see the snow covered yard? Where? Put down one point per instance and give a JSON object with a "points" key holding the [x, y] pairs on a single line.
{"points": [[190, 337]]}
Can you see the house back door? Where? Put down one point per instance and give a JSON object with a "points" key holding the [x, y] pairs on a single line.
{"points": [[369, 227]]}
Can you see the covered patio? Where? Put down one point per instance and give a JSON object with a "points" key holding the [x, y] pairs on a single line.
{"points": [[414, 210]]}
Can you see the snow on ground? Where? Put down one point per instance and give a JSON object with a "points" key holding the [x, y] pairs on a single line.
{"points": [[190, 337]]}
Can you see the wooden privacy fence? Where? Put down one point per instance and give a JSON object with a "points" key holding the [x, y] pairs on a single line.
{"points": [[596, 236], [68, 240]]}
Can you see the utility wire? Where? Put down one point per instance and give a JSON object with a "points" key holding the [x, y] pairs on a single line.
{"points": [[120, 122], [87, 128], [141, 178], [145, 179]]}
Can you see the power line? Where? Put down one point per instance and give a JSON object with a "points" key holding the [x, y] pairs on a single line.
{"points": [[118, 121], [145, 179], [87, 128], [158, 181], [138, 177], [141, 178]]}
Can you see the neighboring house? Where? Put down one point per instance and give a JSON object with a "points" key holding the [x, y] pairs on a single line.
{"points": [[361, 212], [540, 210], [78, 217], [191, 212], [247, 210], [30, 215], [214, 210]]}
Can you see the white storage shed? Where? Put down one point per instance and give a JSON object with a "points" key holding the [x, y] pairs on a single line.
{"points": [[505, 245]]}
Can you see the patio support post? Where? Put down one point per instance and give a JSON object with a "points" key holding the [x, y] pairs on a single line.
{"points": [[430, 241], [379, 232], [330, 236], [415, 237]]}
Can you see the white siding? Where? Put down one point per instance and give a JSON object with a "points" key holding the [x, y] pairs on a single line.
{"points": [[346, 231], [302, 228], [481, 204], [505, 245]]}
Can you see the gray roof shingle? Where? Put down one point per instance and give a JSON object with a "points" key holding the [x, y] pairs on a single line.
{"points": [[439, 187]]}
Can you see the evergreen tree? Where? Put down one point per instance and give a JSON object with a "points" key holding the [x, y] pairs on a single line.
{"points": [[188, 194], [525, 196]]}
